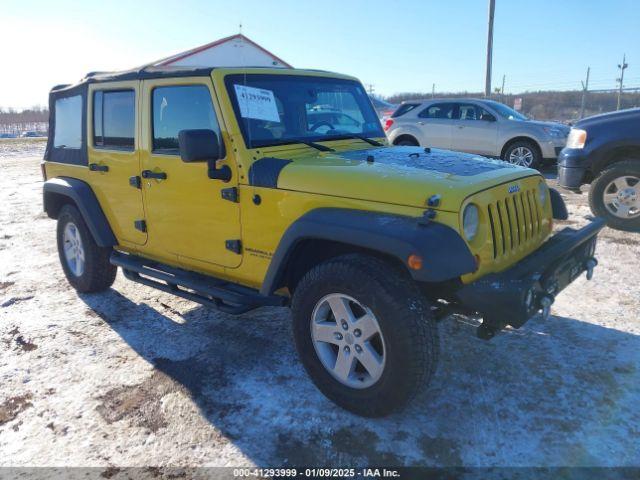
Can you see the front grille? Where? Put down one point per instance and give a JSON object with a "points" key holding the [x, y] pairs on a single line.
{"points": [[516, 222]]}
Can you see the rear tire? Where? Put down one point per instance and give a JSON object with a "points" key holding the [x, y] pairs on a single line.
{"points": [[523, 153], [613, 191], [381, 299], [85, 264]]}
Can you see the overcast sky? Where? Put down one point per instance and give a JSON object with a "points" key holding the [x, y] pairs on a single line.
{"points": [[397, 46]]}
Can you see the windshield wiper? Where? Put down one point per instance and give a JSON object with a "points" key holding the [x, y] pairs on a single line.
{"points": [[289, 141], [317, 146], [360, 137]]}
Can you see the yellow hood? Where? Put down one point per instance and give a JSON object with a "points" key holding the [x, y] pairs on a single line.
{"points": [[397, 175]]}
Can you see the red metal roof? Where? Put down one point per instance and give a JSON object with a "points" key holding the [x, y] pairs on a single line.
{"points": [[193, 51]]}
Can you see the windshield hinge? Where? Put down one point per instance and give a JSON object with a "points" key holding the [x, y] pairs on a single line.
{"points": [[230, 194]]}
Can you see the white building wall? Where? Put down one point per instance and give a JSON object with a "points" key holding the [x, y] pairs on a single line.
{"points": [[234, 53]]}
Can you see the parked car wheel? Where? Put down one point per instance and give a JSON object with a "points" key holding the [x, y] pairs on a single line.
{"points": [[85, 264], [615, 195], [524, 154], [364, 333], [406, 141]]}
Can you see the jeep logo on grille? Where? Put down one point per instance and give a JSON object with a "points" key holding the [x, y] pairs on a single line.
{"points": [[514, 188]]}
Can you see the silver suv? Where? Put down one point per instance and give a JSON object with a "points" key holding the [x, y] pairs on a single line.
{"points": [[484, 127]]}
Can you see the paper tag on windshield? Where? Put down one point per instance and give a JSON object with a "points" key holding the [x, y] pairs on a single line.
{"points": [[257, 103]]}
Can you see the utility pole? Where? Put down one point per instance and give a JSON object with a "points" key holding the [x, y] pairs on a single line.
{"points": [[487, 82], [622, 67], [433, 91], [370, 88], [585, 88], [502, 89]]}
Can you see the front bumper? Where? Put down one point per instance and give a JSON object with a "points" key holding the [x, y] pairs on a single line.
{"points": [[571, 168], [515, 295]]}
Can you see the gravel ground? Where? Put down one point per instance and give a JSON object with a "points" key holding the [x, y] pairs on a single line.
{"points": [[135, 377]]}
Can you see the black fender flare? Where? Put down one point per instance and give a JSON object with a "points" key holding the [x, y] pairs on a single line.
{"points": [[83, 197], [445, 254], [558, 207]]}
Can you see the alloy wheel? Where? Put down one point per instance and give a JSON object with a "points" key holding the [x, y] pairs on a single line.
{"points": [[348, 340], [522, 156], [621, 197], [73, 249]]}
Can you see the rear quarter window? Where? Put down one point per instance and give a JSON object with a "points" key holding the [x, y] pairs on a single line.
{"points": [[68, 123], [404, 108]]}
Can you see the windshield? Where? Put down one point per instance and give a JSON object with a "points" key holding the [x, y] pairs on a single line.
{"points": [[281, 109], [506, 112]]}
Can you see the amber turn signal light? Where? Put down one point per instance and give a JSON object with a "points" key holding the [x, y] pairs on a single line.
{"points": [[414, 262]]}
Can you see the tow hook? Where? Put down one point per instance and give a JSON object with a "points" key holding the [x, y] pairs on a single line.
{"points": [[546, 303], [590, 265]]}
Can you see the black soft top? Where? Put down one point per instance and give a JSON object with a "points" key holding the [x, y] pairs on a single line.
{"points": [[78, 156], [142, 73]]}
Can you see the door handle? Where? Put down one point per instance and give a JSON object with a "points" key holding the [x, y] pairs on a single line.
{"points": [[156, 175], [94, 167], [460, 126], [420, 123]]}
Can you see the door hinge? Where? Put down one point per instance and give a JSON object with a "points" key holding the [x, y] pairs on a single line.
{"points": [[140, 225], [230, 194], [135, 182], [234, 245]]}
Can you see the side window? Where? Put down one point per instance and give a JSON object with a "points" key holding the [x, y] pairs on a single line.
{"points": [[484, 114], [114, 119], [439, 111], [404, 108], [68, 123], [468, 112], [178, 108]]}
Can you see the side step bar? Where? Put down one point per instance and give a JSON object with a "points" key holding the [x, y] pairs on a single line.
{"points": [[210, 291]]}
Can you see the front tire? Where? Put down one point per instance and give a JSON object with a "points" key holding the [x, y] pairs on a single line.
{"points": [[615, 195], [364, 333], [524, 154], [86, 265]]}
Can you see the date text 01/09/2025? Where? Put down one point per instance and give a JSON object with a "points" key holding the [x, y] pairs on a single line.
{"points": [[315, 473]]}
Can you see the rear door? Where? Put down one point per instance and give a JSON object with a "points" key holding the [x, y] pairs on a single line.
{"points": [[187, 217], [473, 131], [435, 123], [113, 147]]}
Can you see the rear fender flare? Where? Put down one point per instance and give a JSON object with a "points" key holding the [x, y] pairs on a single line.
{"points": [[81, 194]]}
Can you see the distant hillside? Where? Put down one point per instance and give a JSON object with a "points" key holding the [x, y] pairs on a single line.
{"points": [[561, 106]]}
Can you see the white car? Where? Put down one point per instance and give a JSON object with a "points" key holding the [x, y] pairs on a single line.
{"points": [[483, 127]]}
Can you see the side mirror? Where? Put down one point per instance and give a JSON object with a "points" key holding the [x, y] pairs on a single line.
{"points": [[203, 146], [487, 117]]}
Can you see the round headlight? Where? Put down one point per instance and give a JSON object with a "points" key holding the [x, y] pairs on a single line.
{"points": [[470, 220], [543, 192]]}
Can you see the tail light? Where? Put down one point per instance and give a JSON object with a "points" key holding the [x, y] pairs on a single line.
{"points": [[387, 124]]}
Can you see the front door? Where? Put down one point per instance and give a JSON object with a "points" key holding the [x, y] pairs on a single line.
{"points": [[186, 216], [473, 131], [435, 124], [113, 147]]}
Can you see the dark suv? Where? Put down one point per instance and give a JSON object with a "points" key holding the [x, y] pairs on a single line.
{"points": [[605, 151]]}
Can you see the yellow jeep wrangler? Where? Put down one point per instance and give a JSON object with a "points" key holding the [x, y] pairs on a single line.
{"points": [[246, 187]]}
